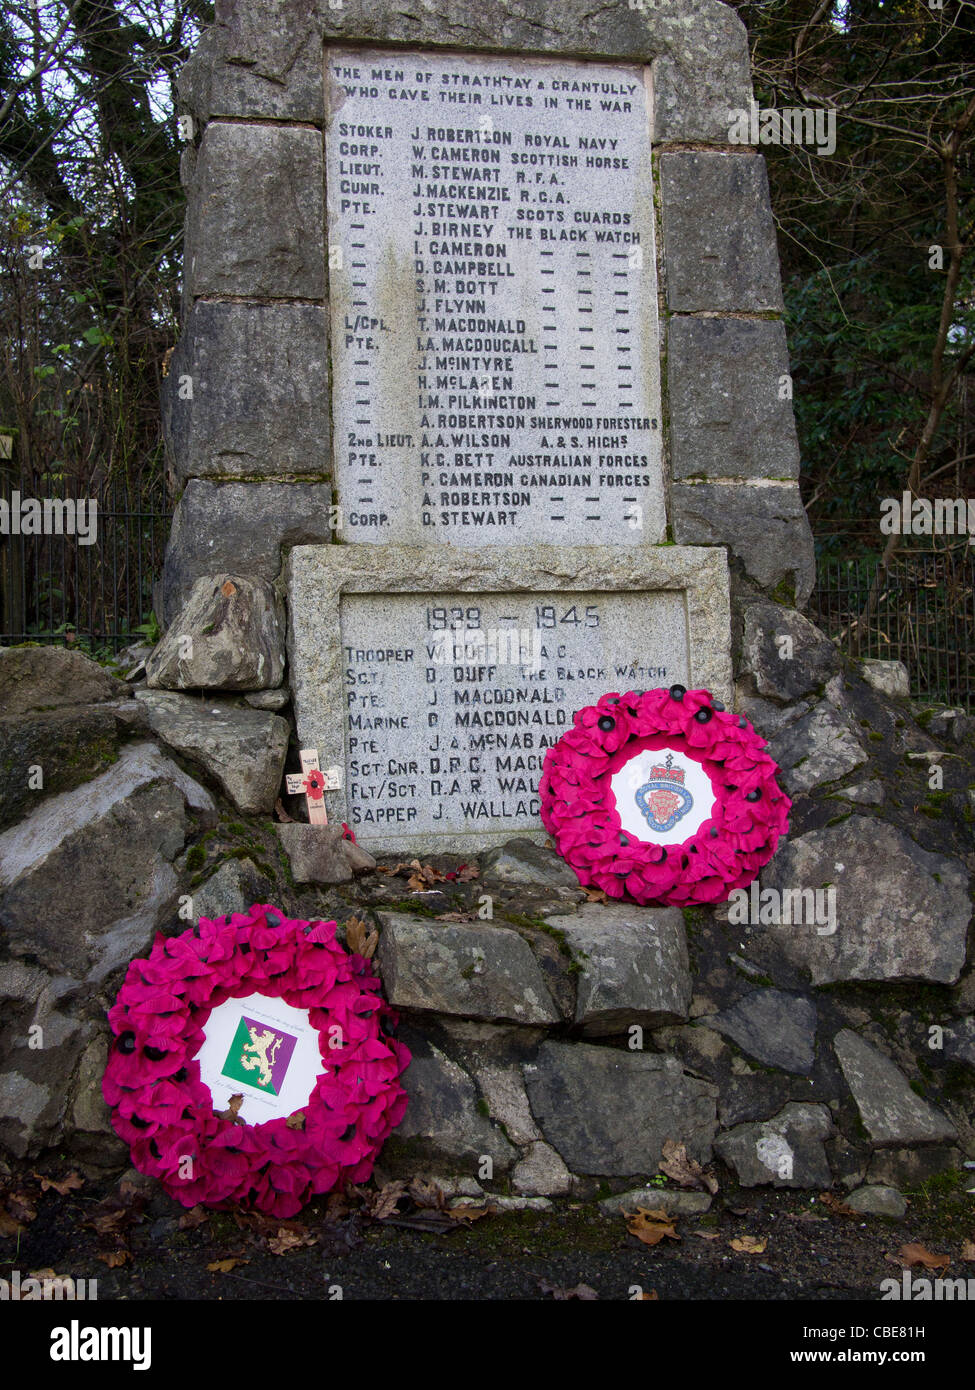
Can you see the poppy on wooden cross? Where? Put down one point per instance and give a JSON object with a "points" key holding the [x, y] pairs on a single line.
{"points": [[314, 783]]}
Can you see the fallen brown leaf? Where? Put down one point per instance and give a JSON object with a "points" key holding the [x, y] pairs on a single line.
{"points": [[916, 1254], [296, 1121], [596, 895], [651, 1297], [233, 1106], [114, 1258], [676, 1164], [192, 1218], [281, 813], [8, 1225], [62, 1186], [968, 1250], [836, 1205], [225, 1266], [651, 1226], [21, 1206], [427, 1194], [359, 938], [286, 1240], [707, 1235], [470, 1213], [581, 1291], [384, 1202], [749, 1245]]}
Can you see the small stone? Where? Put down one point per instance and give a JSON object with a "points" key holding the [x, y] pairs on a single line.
{"points": [[863, 793], [45, 678], [891, 1112], [776, 1028], [541, 1173], [887, 677], [229, 890], [504, 1090], [674, 1201], [442, 1121], [272, 700], [522, 862], [878, 1200], [787, 656], [229, 635], [785, 1151], [360, 860], [820, 747], [316, 853]]}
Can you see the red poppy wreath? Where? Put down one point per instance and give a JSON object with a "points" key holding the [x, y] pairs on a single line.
{"points": [[251, 1063], [663, 796]]}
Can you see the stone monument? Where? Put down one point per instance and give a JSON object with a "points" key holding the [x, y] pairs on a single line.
{"points": [[482, 363]]}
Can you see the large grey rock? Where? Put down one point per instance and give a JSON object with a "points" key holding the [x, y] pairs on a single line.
{"points": [[634, 966], [878, 1200], [242, 749], [765, 528], [243, 397], [891, 1112], [241, 527], [820, 747], [231, 889], [442, 1119], [257, 60], [522, 863], [787, 656], [728, 417], [472, 971], [714, 260], [54, 751], [901, 913], [776, 1028], [315, 852], [888, 677], [785, 1151], [48, 678], [87, 877], [255, 224], [608, 1112], [229, 635]]}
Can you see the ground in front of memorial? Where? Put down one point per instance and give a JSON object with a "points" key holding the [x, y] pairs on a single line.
{"points": [[811, 1251]]}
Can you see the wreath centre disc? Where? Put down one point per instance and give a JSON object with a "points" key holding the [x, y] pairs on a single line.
{"points": [[662, 794], [264, 1050]]}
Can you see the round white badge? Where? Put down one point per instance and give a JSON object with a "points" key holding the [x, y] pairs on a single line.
{"points": [[264, 1050], [663, 796]]}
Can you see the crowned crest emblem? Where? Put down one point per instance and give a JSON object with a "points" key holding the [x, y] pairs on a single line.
{"points": [[663, 800]]}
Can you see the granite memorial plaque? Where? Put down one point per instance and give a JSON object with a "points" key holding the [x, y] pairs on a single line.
{"points": [[493, 300], [439, 679]]}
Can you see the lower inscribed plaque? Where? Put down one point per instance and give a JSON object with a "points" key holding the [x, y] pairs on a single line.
{"points": [[440, 682]]}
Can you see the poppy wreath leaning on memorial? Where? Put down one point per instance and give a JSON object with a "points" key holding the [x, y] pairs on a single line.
{"points": [[314, 1072], [663, 796]]}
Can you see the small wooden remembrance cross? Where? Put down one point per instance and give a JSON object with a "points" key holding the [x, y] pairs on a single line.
{"points": [[314, 783]]}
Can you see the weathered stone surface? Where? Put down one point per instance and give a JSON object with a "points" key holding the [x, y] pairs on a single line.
{"points": [[315, 852], [231, 889], [776, 1028], [107, 845], [608, 1112], [239, 526], [863, 793], [484, 972], [765, 527], [235, 629], [523, 863], [820, 747], [902, 914], [48, 678], [23, 1105], [891, 1112], [273, 700], [787, 656], [257, 65], [442, 1120], [768, 719], [959, 1042], [257, 408], [634, 966], [727, 418], [359, 859], [541, 1173], [911, 1167], [785, 1151], [674, 1201], [714, 260], [503, 1089], [889, 678], [62, 747], [255, 223], [89, 1113], [242, 749], [878, 1200]]}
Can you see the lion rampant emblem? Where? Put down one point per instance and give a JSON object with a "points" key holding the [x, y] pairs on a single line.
{"points": [[260, 1053]]}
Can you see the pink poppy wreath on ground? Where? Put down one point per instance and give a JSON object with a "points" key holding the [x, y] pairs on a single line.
{"points": [[663, 796], [251, 1063]]}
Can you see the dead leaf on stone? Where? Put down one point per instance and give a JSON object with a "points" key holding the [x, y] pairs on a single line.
{"points": [[383, 1203], [62, 1186], [427, 1194], [596, 895], [464, 873], [282, 814], [676, 1164], [581, 1291], [466, 1211], [749, 1245], [836, 1205], [360, 939], [296, 1121], [114, 1258], [225, 1266], [287, 1240], [707, 1235], [233, 1106], [651, 1226], [916, 1254], [968, 1250]]}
